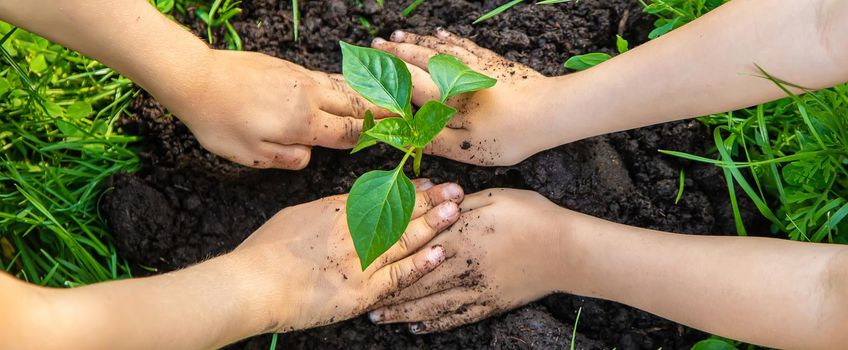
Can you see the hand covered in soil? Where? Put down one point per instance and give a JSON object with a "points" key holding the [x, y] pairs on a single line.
{"points": [[500, 257], [265, 112], [491, 126], [309, 269]]}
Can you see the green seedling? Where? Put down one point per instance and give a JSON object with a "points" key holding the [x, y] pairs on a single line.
{"points": [[380, 203], [219, 14], [589, 60]]}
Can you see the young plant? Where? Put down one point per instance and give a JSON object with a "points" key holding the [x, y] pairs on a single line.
{"points": [[380, 203]]}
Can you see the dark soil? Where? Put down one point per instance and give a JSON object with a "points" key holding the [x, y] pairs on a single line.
{"points": [[187, 205]]}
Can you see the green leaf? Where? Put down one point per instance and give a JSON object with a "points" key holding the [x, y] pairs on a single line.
{"points": [[621, 44], [203, 15], [379, 208], [453, 77], [365, 140], [589, 60], [713, 344], [381, 78], [164, 6], [430, 119], [53, 109], [497, 11], [663, 29], [394, 131], [79, 109], [68, 129], [38, 64], [5, 86]]}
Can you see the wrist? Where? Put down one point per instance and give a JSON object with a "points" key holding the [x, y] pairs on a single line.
{"points": [[568, 251], [246, 294]]}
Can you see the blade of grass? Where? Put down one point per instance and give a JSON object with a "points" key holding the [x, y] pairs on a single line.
{"points": [[497, 11]]}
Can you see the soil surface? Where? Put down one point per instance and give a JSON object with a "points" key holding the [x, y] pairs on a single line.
{"points": [[187, 205]]}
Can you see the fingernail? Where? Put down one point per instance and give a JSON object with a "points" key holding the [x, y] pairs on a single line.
{"points": [[436, 254], [441, 33], [376, 316], [447, 210], [378, 41], [398, 35], [416, 328], [425, 184], [452, 191]]}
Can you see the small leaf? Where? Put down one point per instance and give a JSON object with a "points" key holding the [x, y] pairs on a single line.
{"points": [[621, 44], [430, 119], [589, 60], [394, 131], [365, 140], [68, 129], [203, 15], [663, 29], [164, 6], [5, 86], [379, 208], [381, 78], [79, 109], [53, 109], [453, 77], [713, 344], [38, 64]]}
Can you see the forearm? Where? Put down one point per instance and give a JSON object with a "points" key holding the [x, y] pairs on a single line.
{"points": [[130, 36], [205, 306], [707, 66], [770, 292]]}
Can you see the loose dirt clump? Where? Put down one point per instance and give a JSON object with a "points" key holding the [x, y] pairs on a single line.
{"points": [[187, 205]]}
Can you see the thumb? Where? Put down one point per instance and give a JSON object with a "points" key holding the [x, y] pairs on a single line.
{"points": [[290, 157]]}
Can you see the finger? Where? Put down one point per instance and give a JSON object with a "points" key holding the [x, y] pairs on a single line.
{"points": [[436, 44], [274, 155], [464, 43], [422, 184], [423, 87], [333, 131], [394, 277], [343, 100], [433, 196], [411, 53], [450, 275], [479, 199], [336, 97], [422, 230], [463, 316], [428, 308]]}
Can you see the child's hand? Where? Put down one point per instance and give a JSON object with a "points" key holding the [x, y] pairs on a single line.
{"points": [[307, 272], [265, 112], [496, 126], [502, 253]]}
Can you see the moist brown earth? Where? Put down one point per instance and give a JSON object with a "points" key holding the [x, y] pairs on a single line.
{"points": [[187, 205]]}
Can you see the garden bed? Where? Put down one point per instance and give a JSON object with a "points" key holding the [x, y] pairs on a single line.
{"points": [[186, 205]]}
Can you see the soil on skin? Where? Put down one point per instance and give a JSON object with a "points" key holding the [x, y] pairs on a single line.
{"points": [[187, 205]]}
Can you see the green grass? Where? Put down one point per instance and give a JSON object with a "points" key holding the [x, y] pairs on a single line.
{"points": [[215, 14], [59, 144], [789, 157]]}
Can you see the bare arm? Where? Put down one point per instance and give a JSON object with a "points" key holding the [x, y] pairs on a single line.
{"points": [[521, 247], [214, 92], [770, 292], [279, 279], [707, 66], [130, 36]]}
